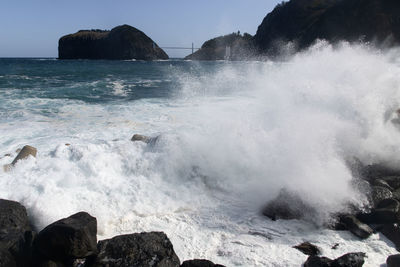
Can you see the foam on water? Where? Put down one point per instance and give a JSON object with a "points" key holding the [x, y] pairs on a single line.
{"points": [[230, 140]]}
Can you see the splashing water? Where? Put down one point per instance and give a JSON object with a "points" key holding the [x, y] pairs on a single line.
{"points": [[232, 135]]}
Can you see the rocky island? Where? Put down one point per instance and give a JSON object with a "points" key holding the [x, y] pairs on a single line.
{"points": [[303, 22], [121, 43]]}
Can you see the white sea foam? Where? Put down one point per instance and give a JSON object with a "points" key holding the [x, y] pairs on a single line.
{"points": [[229, 143]]}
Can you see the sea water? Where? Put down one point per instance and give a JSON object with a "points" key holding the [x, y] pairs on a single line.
{"points": [[231, 135]]}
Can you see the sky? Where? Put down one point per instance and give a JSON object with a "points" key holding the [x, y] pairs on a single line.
{"points": [[32, 28]]}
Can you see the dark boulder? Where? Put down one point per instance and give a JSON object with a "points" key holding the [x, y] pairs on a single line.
{"points": [[347, 260], [393, 261], [68, 239], [356, 227], [380, 193], [315, 261], [288, 206], [393, 181], [382, 183], [6, 259], [143, 249], [392, 232], [121, 43], [387, 211], [308, 249], [15, 232], [350, 260], [200, 263], [13, 216], [305, 21]]}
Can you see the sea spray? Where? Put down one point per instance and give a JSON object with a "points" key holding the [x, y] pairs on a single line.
{"points": [[232, 135]]}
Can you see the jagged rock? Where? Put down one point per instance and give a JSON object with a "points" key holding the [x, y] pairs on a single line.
{"points": [[382, 183], [378, 171], [387, 211], [305, 21], [380, 193], [356, 227], [392, 232], [350, 260], [137, 250], [393, 261], [287, 206], [122, 42], [308, 249], [25, 153], [68, 239], [200, 263], [393, 181], [15, 232], [347, 260], [315, 261]]}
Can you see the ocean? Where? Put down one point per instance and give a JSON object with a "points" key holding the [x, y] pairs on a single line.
{"points": [[231, 135]]}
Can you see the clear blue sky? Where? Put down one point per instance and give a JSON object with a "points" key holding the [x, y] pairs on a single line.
{"points": [[31, 28]]}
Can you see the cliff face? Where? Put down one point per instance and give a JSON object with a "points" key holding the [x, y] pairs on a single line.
{"points": [[304, 21], [231, 47], [122, 42]]}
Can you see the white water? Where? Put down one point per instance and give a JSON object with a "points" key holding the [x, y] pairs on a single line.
{"points": [[229, 143]]}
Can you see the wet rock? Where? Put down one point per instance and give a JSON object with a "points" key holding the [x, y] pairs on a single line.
{"points": [[139, 137], [15, 232], [347, 260], [380, 193], [387, 211], [315, 261], [350, 260], [393, 261], [379, 171], [287, 206], [68, 239], [382, 183], [25, 153], [392, 232], [393, 181], [141, 249], [356, 227], [308, 249], [200, 263]]}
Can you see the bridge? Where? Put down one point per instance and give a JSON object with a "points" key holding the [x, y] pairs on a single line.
{"points": [[183, 48]]}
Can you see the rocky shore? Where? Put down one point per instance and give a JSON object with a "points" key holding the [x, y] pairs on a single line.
{"points": [[72, 241]]}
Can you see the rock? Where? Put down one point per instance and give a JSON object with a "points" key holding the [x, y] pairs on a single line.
{"points": [[392, 232], [139, 137], [68, 239], [305, 21], [228, 47], [392, 181], [15, 232], [143, 249], [287, 206], [121, 43], [356, 227], [347, 260], [200, 263], [382, 183], [25, 153], [380, 193], [315, 261], [308, 249], [6, 259], [387, 211], [13, 216], [350, 260], [393, 261], [379, 171]]}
